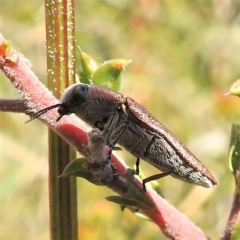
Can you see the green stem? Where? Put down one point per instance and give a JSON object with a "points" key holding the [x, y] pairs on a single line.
{"points": [[60, 43]]}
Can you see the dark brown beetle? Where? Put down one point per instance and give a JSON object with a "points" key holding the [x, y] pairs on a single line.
{"points": [[133, 127]]}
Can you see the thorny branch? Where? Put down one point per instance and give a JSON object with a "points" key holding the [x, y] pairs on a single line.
{"points": [[35, 96]]}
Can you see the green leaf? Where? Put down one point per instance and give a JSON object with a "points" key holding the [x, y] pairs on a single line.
{"points": [[81, 168], [234, 155], [134, 197], [137, 213], [128, 202], [234, 149], [89, 66], [108, 74]]}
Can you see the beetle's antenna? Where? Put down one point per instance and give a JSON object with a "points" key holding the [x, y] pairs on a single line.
{"points": [[41, 112]]}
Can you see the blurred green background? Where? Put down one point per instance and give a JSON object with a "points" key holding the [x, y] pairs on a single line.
{"points": [[185, 56]]}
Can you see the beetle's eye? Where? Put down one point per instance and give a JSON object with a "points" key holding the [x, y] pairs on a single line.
{"points": [[76, 98], [83, 89], [78, 95]]}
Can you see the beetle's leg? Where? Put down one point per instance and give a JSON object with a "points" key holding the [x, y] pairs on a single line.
{"points": [[107, 127], [158, 176], [113, 131], [137, 166], [154, 177], [109, 154], [116, 125], [113, 175], [116, 148], [120, 130], [110, 126]]}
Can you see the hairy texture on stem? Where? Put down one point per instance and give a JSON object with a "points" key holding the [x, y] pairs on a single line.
{"points": [[36, 96]]}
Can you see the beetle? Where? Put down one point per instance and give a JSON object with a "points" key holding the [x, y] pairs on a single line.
{"points": [[134, 128]]}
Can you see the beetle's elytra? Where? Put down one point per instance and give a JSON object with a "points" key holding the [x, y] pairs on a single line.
{"points": [[134, 128]]}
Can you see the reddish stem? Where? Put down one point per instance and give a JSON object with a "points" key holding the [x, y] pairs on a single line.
{"points": [[234, 216]]}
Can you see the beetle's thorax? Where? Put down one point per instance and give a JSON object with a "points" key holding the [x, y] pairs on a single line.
{"points": [[100, 104]]}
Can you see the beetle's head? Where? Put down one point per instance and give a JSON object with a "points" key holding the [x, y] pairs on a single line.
{"points": [[71, 101]]}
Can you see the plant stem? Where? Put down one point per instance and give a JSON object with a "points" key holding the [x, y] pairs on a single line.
{"points": [[61, 73]]}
